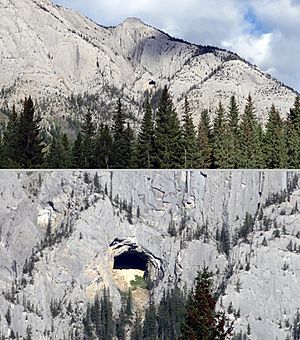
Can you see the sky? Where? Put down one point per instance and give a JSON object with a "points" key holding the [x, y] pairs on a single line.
{"points": [[265, 32]]}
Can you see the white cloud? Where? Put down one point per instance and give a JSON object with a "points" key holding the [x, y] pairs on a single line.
{"points": [[256, 49], [272, 44]]}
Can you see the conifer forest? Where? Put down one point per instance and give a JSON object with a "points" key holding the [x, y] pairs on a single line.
{"points": [[232, 139], [178, 315]]}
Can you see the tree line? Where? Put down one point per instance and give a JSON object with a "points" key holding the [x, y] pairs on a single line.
{"points": [[231, 140]]}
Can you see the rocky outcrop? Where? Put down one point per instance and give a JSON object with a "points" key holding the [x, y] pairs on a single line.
{"points": [[61, 230]]}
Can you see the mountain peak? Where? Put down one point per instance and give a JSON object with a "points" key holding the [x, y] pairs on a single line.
{"points": [[133, 21]]}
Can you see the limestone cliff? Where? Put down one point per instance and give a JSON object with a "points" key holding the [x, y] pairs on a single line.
{"points": [[62, 231]]}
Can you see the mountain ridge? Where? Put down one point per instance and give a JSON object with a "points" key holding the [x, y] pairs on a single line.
{"points": [[68, 53]]}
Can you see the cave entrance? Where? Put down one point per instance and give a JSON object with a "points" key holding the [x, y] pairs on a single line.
{"points": [[131, 260]]}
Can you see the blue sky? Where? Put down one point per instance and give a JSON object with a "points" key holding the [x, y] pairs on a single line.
{"points": [[265, 32]]}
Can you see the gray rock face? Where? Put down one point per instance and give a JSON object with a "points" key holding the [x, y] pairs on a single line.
{"points": [[70, 229], [49, 51]]}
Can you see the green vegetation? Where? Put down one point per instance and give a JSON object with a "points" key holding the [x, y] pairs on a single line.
{"points": [[138, 282], [177, 315], [234, 139]]}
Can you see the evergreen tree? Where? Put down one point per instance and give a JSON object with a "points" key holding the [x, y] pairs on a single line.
{"points": [[103, 148], [294, 114], [247, 227], [77, 153], [205, 141], [128, 305], [145, 141], [87, 323], [149, 325], [223, 141], [296, 327], [53, 157], [233, 132], [124, 315], [8, 316], [233, 117], [130, 145], [106, 316], [59, 153], [191, 149], [225, 239], [219, 122], [137, 329], [28, 333], [121, 158], [3, 159], [275, 148], [170, 313], [29, 146], [293, 135], [66, 152], [10, 140], [201, 320], [250, 156], [88, 133], [168, 148]]}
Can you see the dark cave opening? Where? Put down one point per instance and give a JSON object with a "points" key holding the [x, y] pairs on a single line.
{"points": [[131, 260]]}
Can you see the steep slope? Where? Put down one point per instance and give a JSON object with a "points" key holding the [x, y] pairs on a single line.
{"points": [[61, 233], [52, 52]]}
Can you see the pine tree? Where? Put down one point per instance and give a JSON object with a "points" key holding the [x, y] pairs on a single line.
{"points": [[168, 147], [149, 325], [59, 153], [10, 140], [87, 323], [250, 156], [137, 329], [66, 152], [223, 141], [205, 141], [28, 333], [121, 158], [103, 148], [29, 145], [3, 158], [170, 313], [130, 145], [294, 114], [233, 132], [77, 153], [219, 122], [293, 135], [106, 316], [88, 133], [8, 316], [191, 150], [201, 320], [233, 116], [128, 305], [53, 155], [275, 148], [296, 326], [145, 142], [225, 239], [124, 315]]}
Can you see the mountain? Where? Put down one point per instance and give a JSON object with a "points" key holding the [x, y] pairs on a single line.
{"points": [[62, 233], [52, 53]]}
